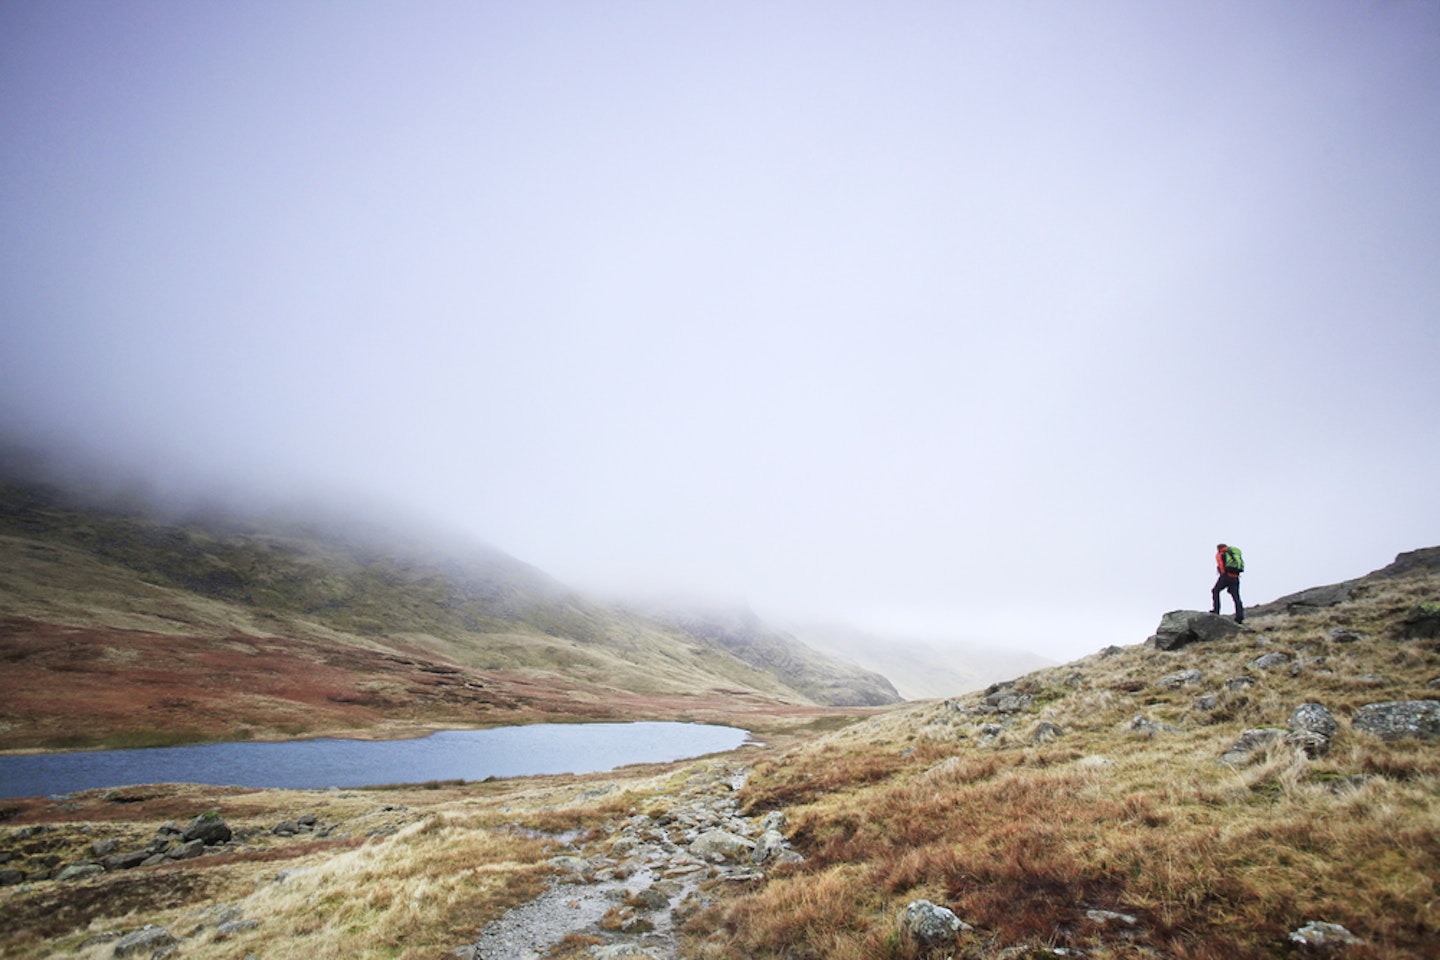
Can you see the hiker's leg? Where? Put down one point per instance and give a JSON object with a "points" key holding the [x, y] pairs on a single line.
{"points": [[1215, 595], [1235, 595]]}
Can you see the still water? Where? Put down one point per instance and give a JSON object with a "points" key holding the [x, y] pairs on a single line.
{"points": [[316, 764]]}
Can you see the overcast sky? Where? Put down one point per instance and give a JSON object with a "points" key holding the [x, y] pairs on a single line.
{"points": [[980, 321]]}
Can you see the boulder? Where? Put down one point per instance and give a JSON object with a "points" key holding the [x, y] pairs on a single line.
{"points": [[79, 871], [1422, 622], [1314, 718], [1270, 661], [1312, 727], [1400, 719], [929, 926], [208, 828], [770, 843], [146, 941], [1179, 628], [719, 846]]}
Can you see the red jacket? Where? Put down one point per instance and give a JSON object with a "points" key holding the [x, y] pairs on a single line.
{"points": [[1220, 564]]}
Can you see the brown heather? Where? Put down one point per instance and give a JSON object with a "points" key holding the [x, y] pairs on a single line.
{"points": [[1021, 840]]}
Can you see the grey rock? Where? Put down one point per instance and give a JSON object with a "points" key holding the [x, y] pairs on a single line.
{"points": [[101, 849], [1400, 719], [1104, 917], [1422, 622], [1045, 731], [1239, 683], [1185, 678], [929, 926], [1314, 718], [231, 927], [719, 846], [770, 843], [1339, 635], [1270, 661], [1145, 726], [187, 851], [1319, 935], [9, 877], [1179, 628], [148, 940], [127, 861], [79, 871], [207, 828]]}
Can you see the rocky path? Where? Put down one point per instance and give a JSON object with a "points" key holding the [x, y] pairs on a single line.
{"points": [[631, 889]]}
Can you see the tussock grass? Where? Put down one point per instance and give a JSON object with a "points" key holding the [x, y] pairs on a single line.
{"points": [[1022, 839]]}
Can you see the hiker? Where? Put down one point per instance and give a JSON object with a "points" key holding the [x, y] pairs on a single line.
{"points": [[1230, 565]]}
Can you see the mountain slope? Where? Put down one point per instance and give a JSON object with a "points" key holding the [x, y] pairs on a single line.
{"points": [[209, 627], [1208, 800]]}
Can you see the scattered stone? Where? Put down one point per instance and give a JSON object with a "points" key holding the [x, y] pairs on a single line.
{"points": [[1185, 678], [1312, 727], [1144, 726], [1045, 731], [149, 940], [1400, 719], [9, 877], [1270, 661], [1319, 935], [1104, 917], [1251, 742], [1207, 703], [929, 926], [231, 927], [1239, 683], [1341, 635], [101, 849]]}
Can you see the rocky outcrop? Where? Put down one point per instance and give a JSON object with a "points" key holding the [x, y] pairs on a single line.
{"points": [[1180, 628]]}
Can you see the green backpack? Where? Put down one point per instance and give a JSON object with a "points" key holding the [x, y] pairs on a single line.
{"points": [[1234, 562]]}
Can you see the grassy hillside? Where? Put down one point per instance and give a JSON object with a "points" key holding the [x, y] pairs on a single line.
{"points": [[1083, 810], [1103, 793], [164, 630]]}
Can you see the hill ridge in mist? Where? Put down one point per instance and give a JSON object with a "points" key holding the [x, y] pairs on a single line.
{"points": [[390, 630]]}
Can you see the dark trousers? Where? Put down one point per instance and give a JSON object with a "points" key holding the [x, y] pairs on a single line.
{"points": [[1232, 584]]}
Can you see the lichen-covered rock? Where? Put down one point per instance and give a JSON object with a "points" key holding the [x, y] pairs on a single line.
{"points": [[145, 941], [927, 925], [1400, 719], [1319, 935], [719, 846], [1312, 727]]}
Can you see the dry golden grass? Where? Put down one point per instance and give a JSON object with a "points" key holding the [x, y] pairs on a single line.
{"points": [[1021, 840]]}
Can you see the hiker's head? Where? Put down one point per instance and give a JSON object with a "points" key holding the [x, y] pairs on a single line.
{"points": [[1219, 546]]}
